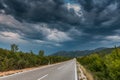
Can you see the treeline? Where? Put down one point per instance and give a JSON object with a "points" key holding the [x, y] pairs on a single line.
{"points": [[103, 67], [14, 59]]}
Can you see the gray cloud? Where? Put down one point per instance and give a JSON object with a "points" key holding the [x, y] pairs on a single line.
{"points": [[34, 32], [40, 11], [100, 12], [55, 22], [94, 12]]}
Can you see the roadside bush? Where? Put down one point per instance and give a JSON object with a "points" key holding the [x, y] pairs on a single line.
{"points": [[105, 67]]}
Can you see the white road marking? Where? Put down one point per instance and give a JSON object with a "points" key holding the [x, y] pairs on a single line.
{"points": [[43, 77], [33, 70], [20, 73], [29, 71], [76, 78]]}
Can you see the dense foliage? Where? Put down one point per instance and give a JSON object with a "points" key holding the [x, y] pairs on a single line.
{"points": [[103, 67], [14, 59]]}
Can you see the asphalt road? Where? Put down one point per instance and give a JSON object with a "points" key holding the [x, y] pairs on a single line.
{"points": [[62, 71]]}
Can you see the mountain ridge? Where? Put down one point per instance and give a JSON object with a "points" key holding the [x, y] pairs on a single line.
{"points": [[79, 53]]}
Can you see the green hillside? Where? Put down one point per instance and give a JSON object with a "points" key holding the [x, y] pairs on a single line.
{"points": [[83, 53], [103, 67]]}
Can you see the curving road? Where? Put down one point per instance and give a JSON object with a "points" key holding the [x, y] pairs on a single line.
{"points": [[62, 71]]}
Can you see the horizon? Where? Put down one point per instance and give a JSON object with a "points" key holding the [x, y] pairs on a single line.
{"points": [[59, 25], [37, 52]]}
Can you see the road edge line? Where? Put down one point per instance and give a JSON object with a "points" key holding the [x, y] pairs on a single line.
{"points": [[76, 77]]}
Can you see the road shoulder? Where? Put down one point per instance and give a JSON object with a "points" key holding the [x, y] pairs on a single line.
{"points": [[83, 74]]}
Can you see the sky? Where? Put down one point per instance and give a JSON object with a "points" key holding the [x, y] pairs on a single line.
{"points": [[57, 25]]}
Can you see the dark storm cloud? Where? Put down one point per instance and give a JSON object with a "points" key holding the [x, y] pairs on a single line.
{"points": [[100, 12], [39, 11], [53, 21], [96, 12], [29, 31], [98, 5]]}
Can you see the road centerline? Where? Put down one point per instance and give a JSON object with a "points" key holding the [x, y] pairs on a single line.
{"points": [[43, 77]]}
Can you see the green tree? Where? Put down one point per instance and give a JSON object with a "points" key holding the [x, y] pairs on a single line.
{"points": [[21, 60], [14, 48], [116, 50], [41, 53]]}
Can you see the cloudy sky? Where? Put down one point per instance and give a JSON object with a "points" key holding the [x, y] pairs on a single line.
{"points": [[55, 25]]}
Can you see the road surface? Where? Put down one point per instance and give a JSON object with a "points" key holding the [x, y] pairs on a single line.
{"points": [[63, 71]]}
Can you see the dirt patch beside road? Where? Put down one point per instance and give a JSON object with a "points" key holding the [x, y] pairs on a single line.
{"points": [[5, 73], [83, 74]]}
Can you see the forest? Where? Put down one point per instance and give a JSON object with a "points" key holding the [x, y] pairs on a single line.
{"points": [[103, 66], [14, 59]]}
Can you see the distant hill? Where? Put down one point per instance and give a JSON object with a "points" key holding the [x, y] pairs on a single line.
{"points": [[78, 53]]}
